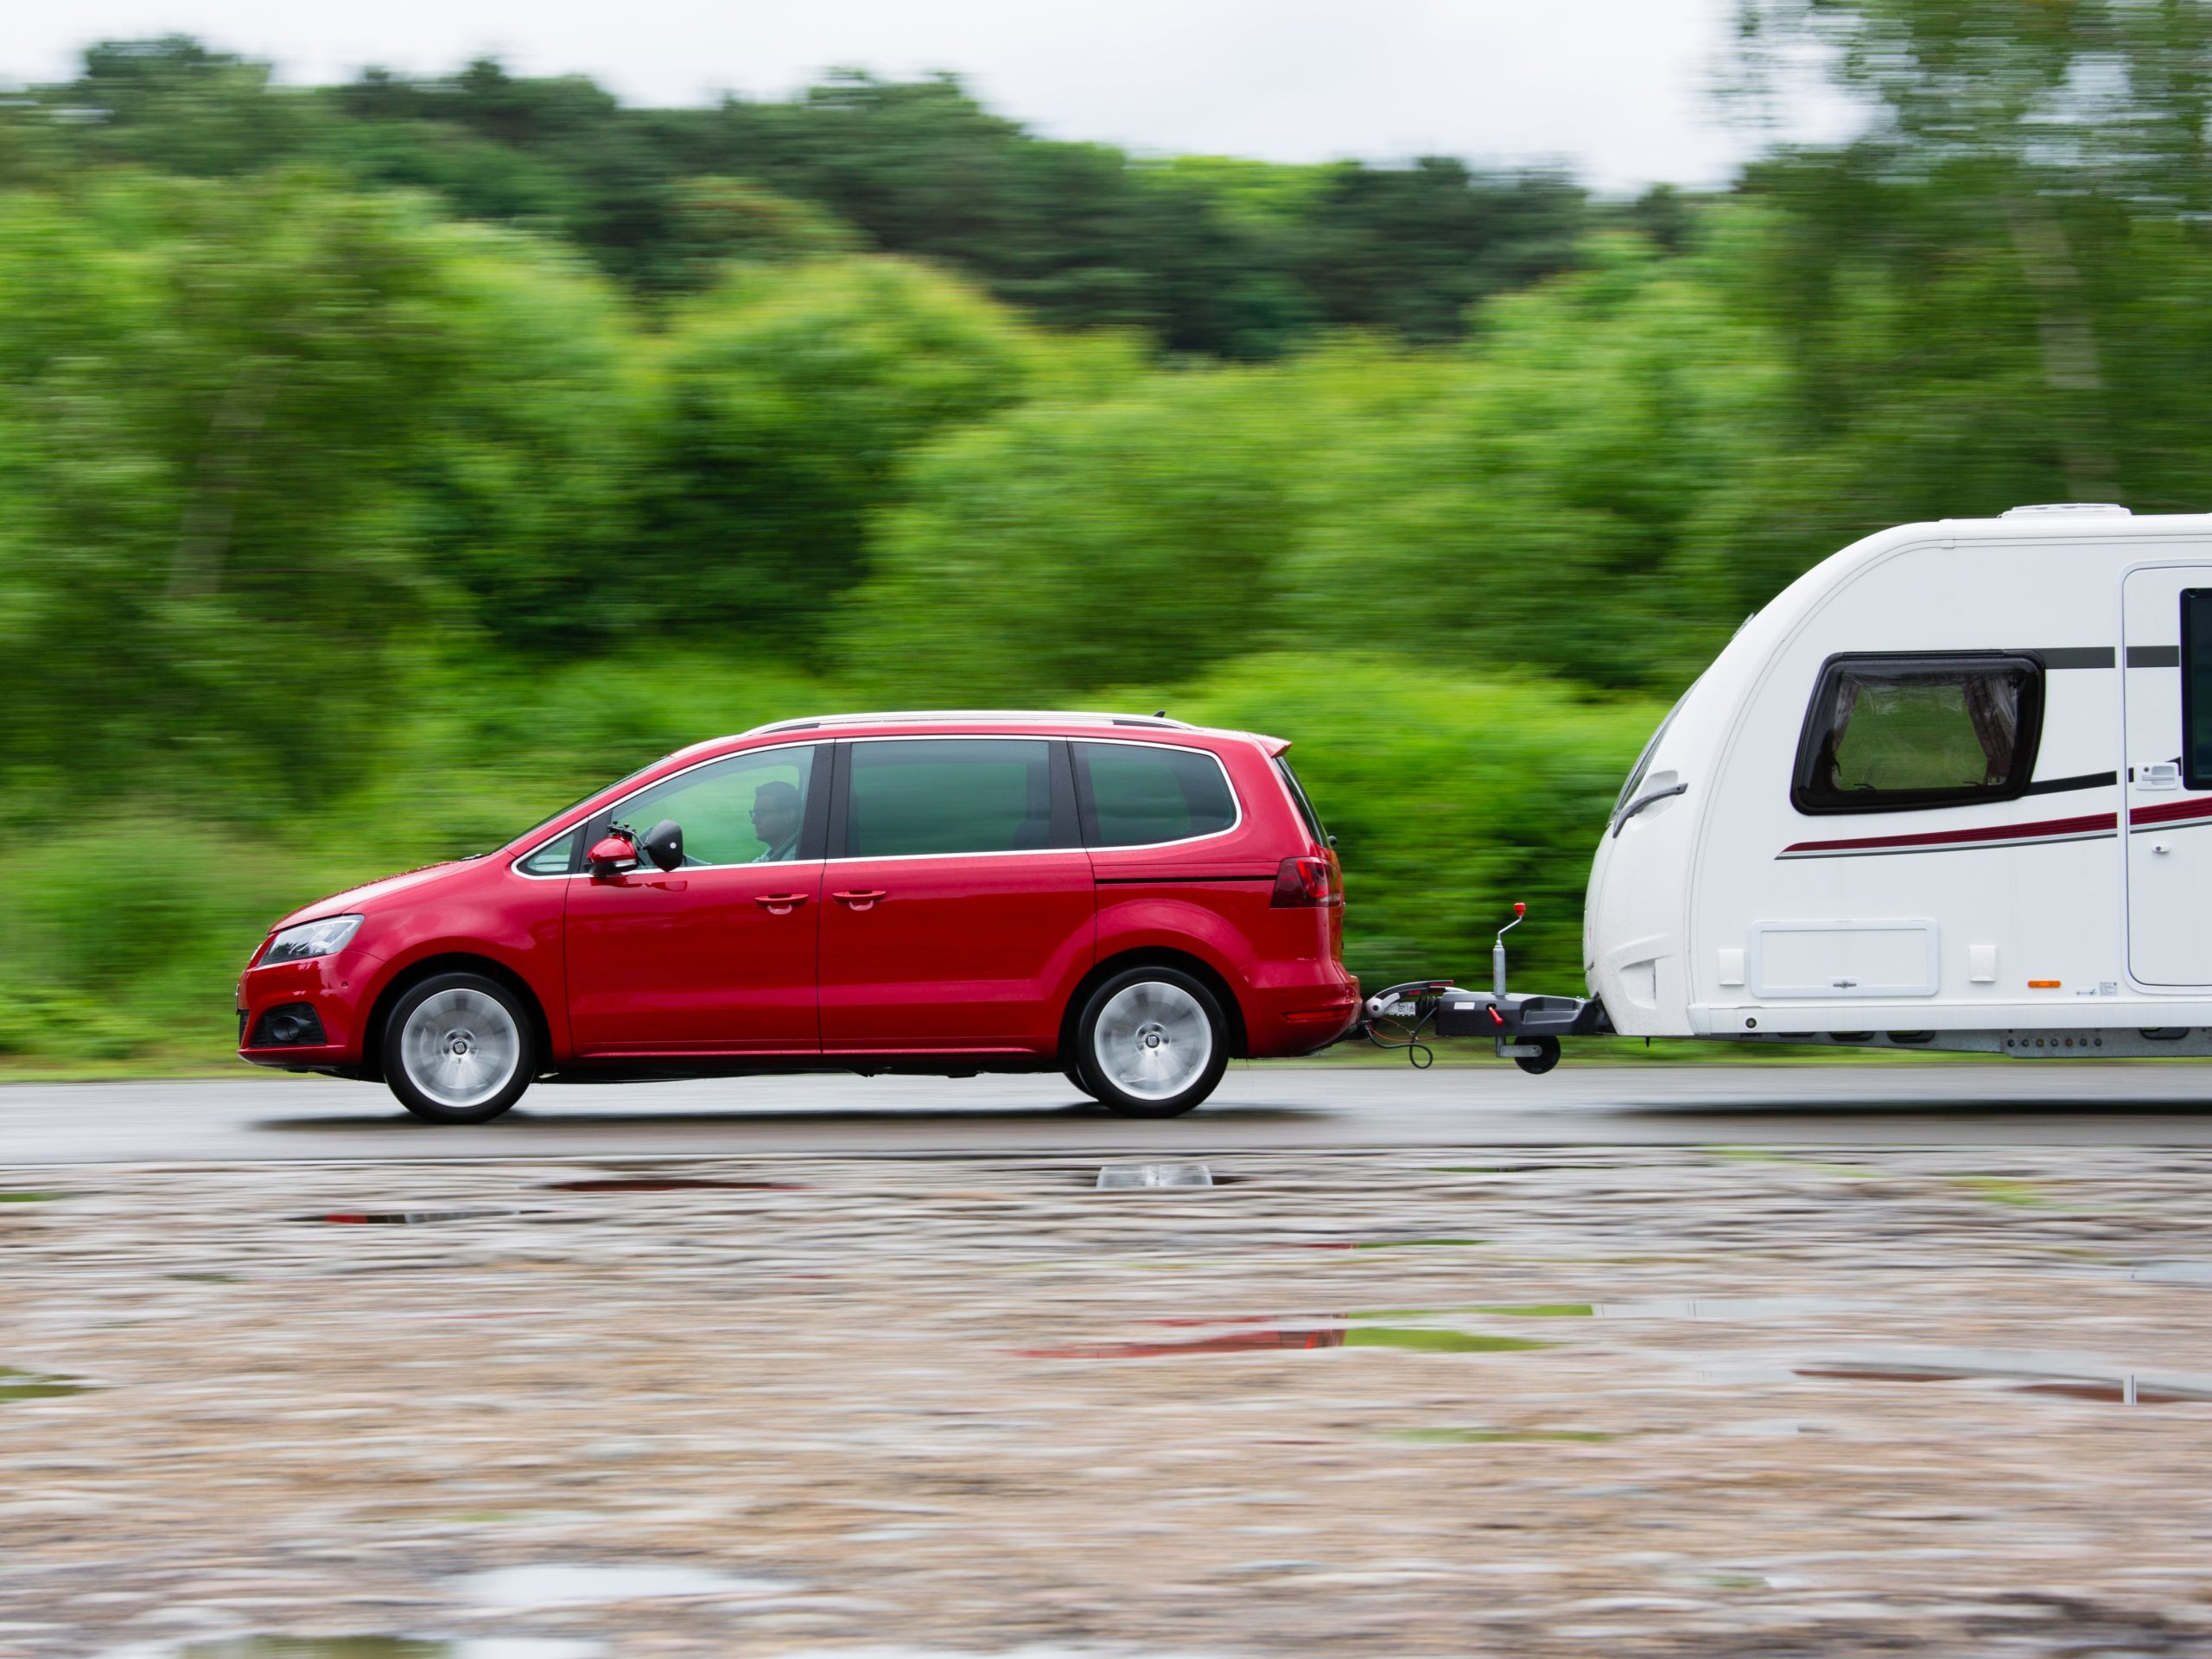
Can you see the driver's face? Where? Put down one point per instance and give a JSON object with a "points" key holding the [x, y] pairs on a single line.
{"points": [[775, 822]]}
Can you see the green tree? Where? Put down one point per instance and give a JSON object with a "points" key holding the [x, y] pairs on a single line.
{"points": [[250, 437], [789, 395]]}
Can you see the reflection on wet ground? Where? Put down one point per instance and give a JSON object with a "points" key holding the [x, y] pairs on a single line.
{"points": [[28, 1385], [1418, 1340], [407, 1218], [670, 1184], [1497, 1436], [2120, 1389], [598, 1584], [369, 1647]]}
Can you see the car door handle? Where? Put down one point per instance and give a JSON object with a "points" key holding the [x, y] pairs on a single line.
{"points": [[859, 898], [778, 904]]}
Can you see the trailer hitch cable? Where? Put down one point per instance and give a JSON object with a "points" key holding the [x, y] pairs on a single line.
{"points": [[1427, 994]]}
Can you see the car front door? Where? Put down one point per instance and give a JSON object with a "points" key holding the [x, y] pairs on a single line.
{"points": [[957, 903], [717, 956]]}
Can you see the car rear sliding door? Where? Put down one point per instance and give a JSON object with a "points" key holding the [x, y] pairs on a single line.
{"points": [[958, 908]]}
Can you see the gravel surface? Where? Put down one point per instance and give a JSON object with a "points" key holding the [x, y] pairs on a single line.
{"points": [[1529, 1403]]}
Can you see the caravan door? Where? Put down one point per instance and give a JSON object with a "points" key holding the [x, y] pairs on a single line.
{"points": [[2166, 691]]}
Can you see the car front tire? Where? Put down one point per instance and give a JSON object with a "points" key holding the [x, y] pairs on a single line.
{"points": [[459, 1048], [1151, 1042]]}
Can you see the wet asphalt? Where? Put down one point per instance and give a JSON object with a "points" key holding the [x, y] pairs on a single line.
{"points": [[270, 1117]]}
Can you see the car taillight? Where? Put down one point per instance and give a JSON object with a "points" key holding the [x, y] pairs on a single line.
{"points": [[1306, 882]]}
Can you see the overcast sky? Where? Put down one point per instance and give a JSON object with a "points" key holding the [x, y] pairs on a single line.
{"points": [[1618, 90]]}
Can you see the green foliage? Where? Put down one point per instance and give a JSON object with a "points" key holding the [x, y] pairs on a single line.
{"points": [[1450, 797], [790, 393], [341, 530], [1221, 258], [249, 427]]}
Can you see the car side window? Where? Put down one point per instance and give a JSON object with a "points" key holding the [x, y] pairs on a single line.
{"points": [[744, 809], [912, 796], [1141, 794], [557, 857], [1889, 733]]}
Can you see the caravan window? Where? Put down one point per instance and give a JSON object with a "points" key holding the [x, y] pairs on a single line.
{"points": [[2196, 687], [1892, 734]]}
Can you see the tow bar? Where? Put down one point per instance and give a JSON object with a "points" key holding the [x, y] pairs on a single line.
{"points": [[1525, 1028]]}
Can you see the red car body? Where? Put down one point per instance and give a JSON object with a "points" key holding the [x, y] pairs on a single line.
{"points": [[950, 963]]}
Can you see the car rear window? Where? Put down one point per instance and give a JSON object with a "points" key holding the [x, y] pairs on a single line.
{"points": [[915, 797], [1142, 794], [1298, 795]]}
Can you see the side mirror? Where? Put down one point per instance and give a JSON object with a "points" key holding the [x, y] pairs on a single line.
{"points": [[611, 854], [664, 843]]}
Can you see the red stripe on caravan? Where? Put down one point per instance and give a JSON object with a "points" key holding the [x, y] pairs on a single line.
{"points": [[2089, 824], [1993, 834], [2173, 811]]}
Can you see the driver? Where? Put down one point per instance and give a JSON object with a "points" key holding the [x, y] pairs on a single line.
{"points": [[775, 821]]}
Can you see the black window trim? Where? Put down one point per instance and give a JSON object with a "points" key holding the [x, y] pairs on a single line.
{"points": [[1089, 808], [1064, 837], [2027, 740]]}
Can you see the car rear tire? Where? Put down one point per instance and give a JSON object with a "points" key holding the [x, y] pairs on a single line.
{"points": [[459, 1048], [1074, 1075], [1151, 1042]]}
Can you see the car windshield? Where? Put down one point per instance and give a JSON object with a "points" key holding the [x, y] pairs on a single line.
{"points": [[552, 818]]}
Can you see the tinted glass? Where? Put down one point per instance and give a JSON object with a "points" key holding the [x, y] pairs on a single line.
{"points": [[747, 810], [949, 794], [2196, 686], [555, 858], [1912, 732], [1299, 796], [1140, 794]]}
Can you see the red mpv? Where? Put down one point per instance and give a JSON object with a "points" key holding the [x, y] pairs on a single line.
{"points": [[1129, 900]]}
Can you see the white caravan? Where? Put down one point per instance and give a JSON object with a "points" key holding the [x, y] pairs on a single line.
{"points": [[1951, 789]]}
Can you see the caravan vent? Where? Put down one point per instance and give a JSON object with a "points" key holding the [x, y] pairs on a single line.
{"points": [[2069, 507]]}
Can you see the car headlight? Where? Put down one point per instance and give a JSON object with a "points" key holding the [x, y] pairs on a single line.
{"points": [[310, 939]]}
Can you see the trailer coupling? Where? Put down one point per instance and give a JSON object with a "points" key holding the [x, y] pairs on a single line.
{"points": [[1525, 1026]]}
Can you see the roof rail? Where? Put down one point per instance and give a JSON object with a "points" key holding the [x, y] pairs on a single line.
{"points": [[2066, 507], [980, 716]]}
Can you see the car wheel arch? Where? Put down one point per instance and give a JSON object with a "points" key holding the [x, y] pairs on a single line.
{"points": [[1156, 956], [451, 962]]}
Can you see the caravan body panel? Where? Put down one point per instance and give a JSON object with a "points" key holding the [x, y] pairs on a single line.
{"points": [[1938, 785]]}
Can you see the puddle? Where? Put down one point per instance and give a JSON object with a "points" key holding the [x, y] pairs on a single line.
{"points": [[1385, 1243], [1116, 1178], [679, 1184], [1998, 1189], [408, 1218], [367, 1647], [1254, 1342], [1496, 1436], [27, 1385], [583, 1586], [2174, 1273], [1723, 1308], [2120, 1389]]}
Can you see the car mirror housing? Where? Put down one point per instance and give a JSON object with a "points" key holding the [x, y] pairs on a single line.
{"points": [[664, 845], [612, 853]]}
